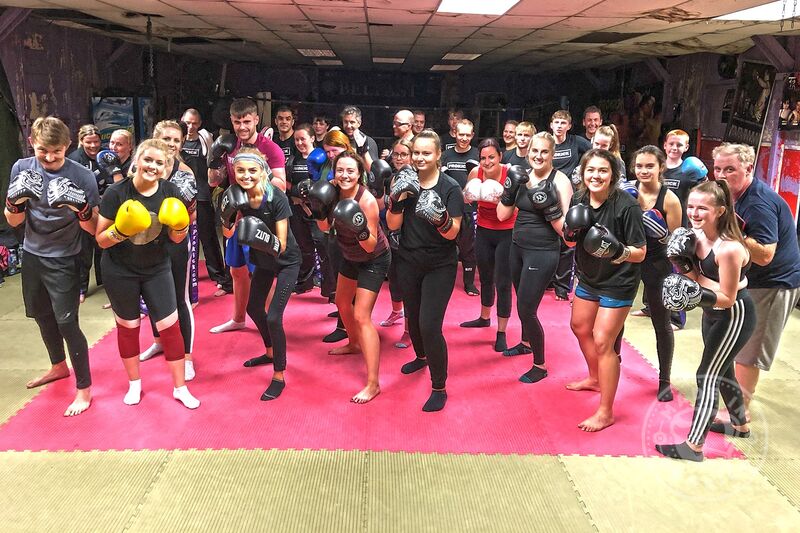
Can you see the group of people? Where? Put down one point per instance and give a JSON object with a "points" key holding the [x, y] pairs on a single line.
{"points": [[530, 211]]}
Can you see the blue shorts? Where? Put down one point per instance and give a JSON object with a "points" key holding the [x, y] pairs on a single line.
{"points": [[605, 301], [237, 255]]}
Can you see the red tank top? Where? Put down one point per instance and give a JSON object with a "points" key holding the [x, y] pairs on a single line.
{"points": [[487, 211]]}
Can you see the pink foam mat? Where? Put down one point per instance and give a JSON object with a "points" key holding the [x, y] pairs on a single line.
{"points": [[488, 409]]}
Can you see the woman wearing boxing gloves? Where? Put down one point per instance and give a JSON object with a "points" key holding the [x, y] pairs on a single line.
{"points": [[260, 211], [353, 212], [493, 239], [661, 215], [426, 206], [540, 199], [713, 262], [181, 255], [605, 226], [138, 215]]}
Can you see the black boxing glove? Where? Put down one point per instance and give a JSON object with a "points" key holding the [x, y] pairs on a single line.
{"points": [[61, 192], [223, 145], [254, 233], [379, 172], [406, 182], [350, 218], [187, 188], [680, 293], [431, 208], [681, 249], [322, 197], [545, 199], [26, 185], [233, 200], [601, 243], [578, 219], [515, 177]]}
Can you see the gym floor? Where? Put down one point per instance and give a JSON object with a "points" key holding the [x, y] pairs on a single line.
{"points": [[309, 490]]}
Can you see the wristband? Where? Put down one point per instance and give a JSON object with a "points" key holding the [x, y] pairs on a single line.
{"points": [[115, 235], [626, 253], [15, 208]]}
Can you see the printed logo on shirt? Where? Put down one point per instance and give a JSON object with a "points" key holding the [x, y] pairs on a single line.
{"points": [[563, 153], [191, 152], [672, 183]]}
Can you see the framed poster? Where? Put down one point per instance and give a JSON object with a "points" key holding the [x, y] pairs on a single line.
{"points": [[750, 103]]}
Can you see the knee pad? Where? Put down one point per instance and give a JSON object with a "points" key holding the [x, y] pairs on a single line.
{"points": [[128, 341], [172, 342]]}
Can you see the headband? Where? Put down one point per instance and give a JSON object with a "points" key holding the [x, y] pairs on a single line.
{"points": [[253, 158]]}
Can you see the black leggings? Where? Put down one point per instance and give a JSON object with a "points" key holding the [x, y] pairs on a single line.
{"points": [[394, 283], [179, 258], [654, 270], [54, 335], [562, 280], [426, 292], [312, 244], [725, 331], [270, 324], [466, 244], [492, 248], [531, 271], [218, 272], [90, 251]]}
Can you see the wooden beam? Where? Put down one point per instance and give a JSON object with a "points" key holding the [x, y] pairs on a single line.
{"points": [[774, 52], [658, 69], [10, 19], [117, 54]]}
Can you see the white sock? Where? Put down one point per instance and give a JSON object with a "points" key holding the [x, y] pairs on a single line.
{"points": [[185, 397], [188, 370], [230, 325], [134, 394], [152, 351]]}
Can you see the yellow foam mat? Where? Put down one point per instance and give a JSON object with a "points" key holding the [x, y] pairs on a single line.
{"points": [[654, 494], [784, 474], [425, 492], [87, 491], [13, 394]]}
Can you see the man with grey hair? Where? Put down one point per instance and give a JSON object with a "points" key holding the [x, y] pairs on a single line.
{"points": [[774, 277], [363, 143]]}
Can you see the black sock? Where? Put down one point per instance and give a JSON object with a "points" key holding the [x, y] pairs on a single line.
{"points": [[664, 391], [258, 361], [533, 375], [333, 314], [477, 323], [436, 401], [339, 334], [500, 342], [273, 391], [679, 451], [413, 366], [519, 349]]}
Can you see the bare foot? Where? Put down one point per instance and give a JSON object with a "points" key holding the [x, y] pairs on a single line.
{"points": [[366, 395], [346, 349], [56, 372], [83, 399], [596, 422], [584, 384], [107, 306]]}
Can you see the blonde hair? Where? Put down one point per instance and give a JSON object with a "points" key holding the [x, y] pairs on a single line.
{"points": [[610, 131], [50, 131], [159, 128], [86, 130], [525, 125], [263, 182], [157, 144], [743, 152]]}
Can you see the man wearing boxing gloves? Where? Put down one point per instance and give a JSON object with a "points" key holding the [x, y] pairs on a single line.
{"points": [[244, 119], [56, 198], [458, 162]]}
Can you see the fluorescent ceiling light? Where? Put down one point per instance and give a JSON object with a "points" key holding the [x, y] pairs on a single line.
{"points": [[312, 52], [397, 60], [460, 57], [445, 67], [772, 11], [476, 7], [328, 62]]}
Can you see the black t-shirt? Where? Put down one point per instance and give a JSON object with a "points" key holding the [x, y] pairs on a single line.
{"points": [[81, 157], [144, 253], [296, 171], [682, 178], [192, 153], [510, 157], [454, 163], [621, 214], [270, 212], [420, 241], [287, 146], [531, 231], [447, 140], [567, 155]]}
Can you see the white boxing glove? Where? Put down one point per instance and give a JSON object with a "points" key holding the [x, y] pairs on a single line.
{"points": [[491, 191], [472, 192]]}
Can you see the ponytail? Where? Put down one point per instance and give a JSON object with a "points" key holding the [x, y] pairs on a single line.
{"points": [[727, 224]]}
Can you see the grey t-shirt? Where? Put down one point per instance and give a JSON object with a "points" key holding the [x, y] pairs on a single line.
{"points": [[51, 232]]}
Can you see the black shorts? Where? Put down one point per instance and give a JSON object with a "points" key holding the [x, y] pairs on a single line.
{"points": [[123, 288], [51, 285], [369, 274]]}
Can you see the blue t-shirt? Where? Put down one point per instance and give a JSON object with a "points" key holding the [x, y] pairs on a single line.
{"points": [[50, 231], [767, 220]]}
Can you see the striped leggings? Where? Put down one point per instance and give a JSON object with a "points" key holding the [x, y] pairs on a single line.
{"points": [[725, 331]]}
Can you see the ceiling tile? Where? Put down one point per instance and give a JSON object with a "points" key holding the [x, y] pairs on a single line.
{"points": [[629, 8], [448, 31], [553, 36], [181, 21], [292, 27], [642, 25], [152, 7], [490, 32], [715, 8], [456, 19], [510, 21], [562, 7], [283, 13], [205, 8], [589, 23], [429, 5], [353, 29], [338, 14], [397, 16]]}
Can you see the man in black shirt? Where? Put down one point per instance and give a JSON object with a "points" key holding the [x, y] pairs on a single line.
{"points": [[419, 121], [592, 119], [454, 116], [365, 145], [195, 152], [284, 122]]}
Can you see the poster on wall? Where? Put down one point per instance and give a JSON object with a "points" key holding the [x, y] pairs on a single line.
{"points": [[789, 115], [112, 113], [750, 103]]}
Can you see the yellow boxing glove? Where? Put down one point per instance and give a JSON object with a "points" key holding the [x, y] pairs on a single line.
{"points": [[173, 214], [132, 218]]}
